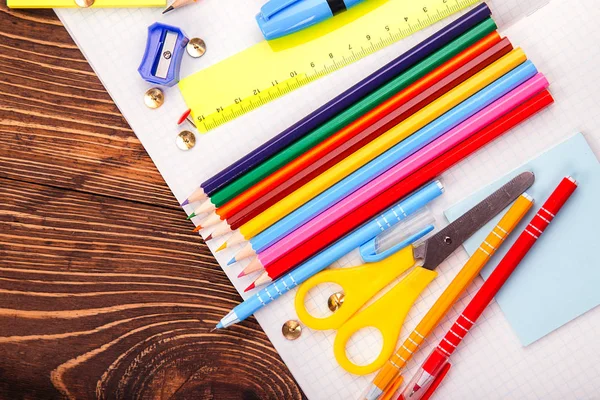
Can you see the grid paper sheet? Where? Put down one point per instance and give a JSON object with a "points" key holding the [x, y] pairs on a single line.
{"points": [[560, 37]]}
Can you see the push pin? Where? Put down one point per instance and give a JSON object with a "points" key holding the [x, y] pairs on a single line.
{"points": [[186, 140], [84, 3], [196, 47], [335, 301], [154, 98], [291, 330], [186, 117]]}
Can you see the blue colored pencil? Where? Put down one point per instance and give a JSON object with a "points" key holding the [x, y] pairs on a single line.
{"points": [[323, 259], [387, 160]]}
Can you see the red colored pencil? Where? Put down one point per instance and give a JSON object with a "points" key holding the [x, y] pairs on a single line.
{"points": [[347, 140], [369, 127], [437, 364], [403, 188]]}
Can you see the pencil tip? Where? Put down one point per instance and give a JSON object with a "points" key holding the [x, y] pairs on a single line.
{"points": [[198, 228], [192, 215], [185, 203], [241, 274], [249, 288], [232, 261], [209, 237], [170, 8], [223, 246]]}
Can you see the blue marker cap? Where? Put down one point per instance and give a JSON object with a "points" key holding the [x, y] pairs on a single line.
{"points": [[278, 18]]}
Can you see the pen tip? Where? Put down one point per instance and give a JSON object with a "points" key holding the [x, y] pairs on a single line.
{"points": [[249, 288], [170, 8]]}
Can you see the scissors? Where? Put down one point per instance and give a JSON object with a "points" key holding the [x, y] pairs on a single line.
{"points": [[387, 314]]}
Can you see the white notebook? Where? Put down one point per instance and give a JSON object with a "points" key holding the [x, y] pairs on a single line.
{"points": [[560, 36]]}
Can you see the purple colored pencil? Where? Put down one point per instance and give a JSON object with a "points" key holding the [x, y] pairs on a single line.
{"points": [[347, 98]]}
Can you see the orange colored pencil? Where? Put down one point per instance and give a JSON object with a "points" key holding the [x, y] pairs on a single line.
{"points": [[319, 157]]}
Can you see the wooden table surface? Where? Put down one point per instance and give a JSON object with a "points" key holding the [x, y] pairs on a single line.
{"points": [[104, 290]]}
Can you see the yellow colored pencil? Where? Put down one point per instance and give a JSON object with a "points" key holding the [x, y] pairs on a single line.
{"points": [[389, 379], [382, 143]]}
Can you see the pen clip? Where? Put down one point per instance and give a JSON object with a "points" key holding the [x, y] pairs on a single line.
{"points": [[272, 7], [397, 237], [369, 255]]}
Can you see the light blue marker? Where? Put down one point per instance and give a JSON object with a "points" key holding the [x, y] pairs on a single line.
{"points": [[393, 156], [332, 253], [278, 18]]}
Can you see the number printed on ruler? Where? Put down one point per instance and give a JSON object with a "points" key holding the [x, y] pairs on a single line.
{"points": [[221, 93]]}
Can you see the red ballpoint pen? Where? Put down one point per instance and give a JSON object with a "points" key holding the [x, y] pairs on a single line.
{"points": [[436, 366]]}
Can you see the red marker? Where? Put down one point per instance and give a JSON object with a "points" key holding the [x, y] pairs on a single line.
{"points": [[436, 366]]}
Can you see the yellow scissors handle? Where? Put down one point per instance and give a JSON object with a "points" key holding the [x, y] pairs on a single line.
{"points": [[387, 315], [359, 284]]}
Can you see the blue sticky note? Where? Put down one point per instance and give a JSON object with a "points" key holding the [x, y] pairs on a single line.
{"points": [[559, 278]]}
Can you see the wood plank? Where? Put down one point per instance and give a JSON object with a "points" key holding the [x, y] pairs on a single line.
{"points": [[105, 298], [58, 124]]}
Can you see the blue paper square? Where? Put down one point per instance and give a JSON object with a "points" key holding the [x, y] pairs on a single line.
{"points": [[559, 278]]}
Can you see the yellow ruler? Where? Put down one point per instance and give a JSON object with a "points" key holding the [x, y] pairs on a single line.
{"points": [[269, 70]]}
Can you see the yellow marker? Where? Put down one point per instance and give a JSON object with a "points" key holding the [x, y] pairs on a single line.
{"points": [[388, 380], [271, 69], [84, 3], [382, 143]]}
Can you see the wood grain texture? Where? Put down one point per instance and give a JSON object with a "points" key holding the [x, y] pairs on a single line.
{"points": [[104, 291], [58, 124]]}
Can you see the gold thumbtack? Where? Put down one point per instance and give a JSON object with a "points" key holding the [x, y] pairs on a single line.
{"points": [[291, 330], [84, 3], [196, 47], [335, 301], [186, 140], [154, 98]]}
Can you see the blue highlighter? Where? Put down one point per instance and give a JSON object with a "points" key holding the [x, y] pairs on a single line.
{"points": [[278, 18]]}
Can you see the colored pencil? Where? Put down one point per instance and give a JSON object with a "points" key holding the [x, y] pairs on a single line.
{"points": [[382, 143], [388, 379], [282, 173], [346, 99], [465, 149], [506, 97], [436, 365], [352, 137], [402, 188], [367, 128], [390, 218]]}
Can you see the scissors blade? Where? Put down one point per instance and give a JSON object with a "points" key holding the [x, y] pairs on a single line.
{"points": [[437, 248]]}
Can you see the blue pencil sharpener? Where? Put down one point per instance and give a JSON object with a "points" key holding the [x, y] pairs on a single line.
{"points": [[164, 51]]}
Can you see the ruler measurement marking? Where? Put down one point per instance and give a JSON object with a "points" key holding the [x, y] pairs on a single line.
{"points": [[348, 56]]}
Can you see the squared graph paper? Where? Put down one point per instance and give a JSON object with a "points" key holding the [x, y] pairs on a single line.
{"points": [[560, 36]]}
